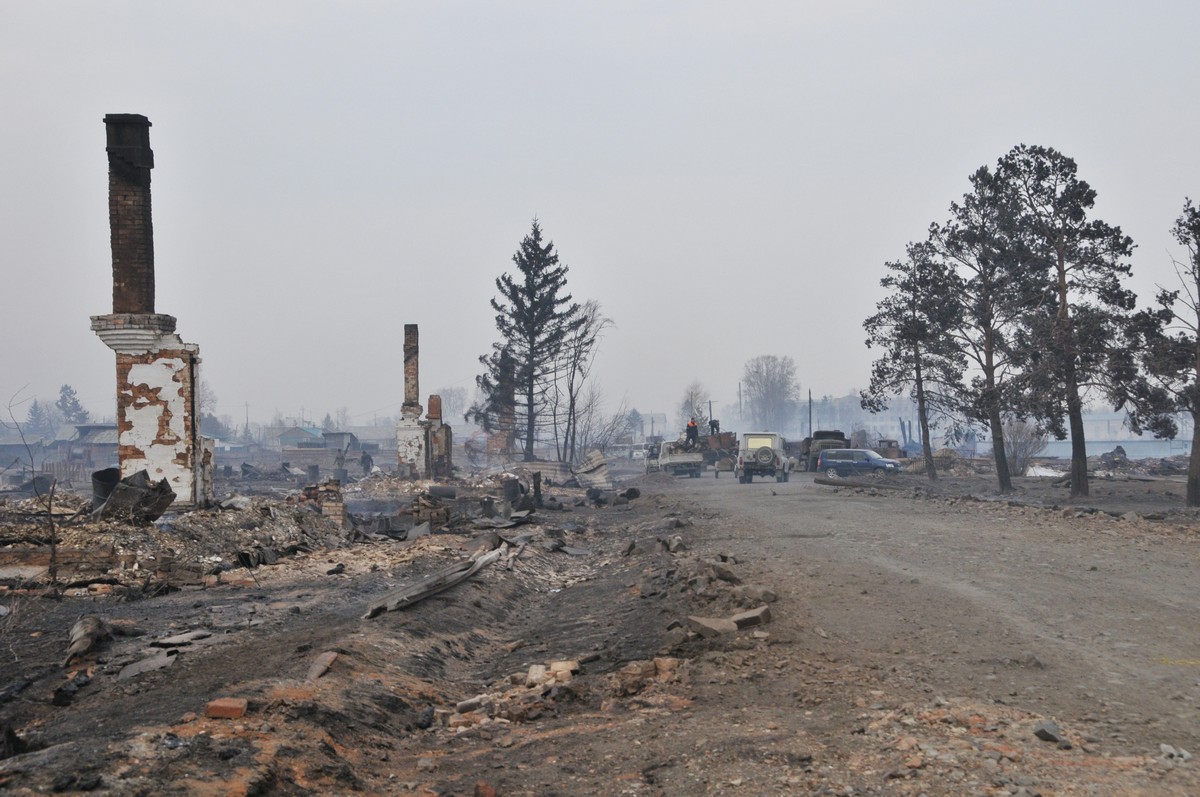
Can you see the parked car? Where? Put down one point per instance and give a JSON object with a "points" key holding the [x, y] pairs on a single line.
{"points": [[855, 462]]}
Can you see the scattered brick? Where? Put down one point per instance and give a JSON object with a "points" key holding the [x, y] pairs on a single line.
{"points": [[227, 708]]}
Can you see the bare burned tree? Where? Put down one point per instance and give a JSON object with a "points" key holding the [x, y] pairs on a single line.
{"points": [[1022, 442], [574, 366], [694, 405], [46, 498], [595, 428], [454, 401], [1170, 346], [772, 389]]}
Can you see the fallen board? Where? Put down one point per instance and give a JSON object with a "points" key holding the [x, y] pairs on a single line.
{"points": [[436, 582]]}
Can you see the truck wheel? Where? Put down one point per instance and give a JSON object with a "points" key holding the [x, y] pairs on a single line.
{"points": [[831, 473]]}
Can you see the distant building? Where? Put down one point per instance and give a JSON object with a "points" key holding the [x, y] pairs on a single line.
{"points": [[342, 441], [300, 437]]}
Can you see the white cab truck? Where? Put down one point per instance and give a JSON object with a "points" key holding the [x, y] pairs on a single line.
{"points": [[675, 458]]}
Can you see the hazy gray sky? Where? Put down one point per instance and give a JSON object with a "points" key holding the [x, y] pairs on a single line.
{"points": [[726, 179]]}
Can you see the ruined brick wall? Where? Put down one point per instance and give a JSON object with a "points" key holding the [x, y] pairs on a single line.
{"points": [[158, 430], [441, 445], [156, 411], [412, 448]]}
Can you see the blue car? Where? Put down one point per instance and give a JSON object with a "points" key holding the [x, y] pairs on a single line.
{"points": [[846, 462]]}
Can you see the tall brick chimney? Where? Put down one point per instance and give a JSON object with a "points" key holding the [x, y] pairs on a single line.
{"points": [[158, 377], [129, 163], [411, 408]]}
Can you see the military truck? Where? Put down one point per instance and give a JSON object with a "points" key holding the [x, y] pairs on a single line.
{"points": [[811, 447], [889, 448]]}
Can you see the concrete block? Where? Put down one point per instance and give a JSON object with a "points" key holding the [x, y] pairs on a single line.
{"points": [[537, 675], [711, 626], [759, 616]]}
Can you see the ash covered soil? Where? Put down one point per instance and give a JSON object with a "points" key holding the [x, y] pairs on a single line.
{"points": [[917, 638]]}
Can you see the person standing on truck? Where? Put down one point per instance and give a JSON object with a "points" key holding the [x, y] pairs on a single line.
{"points": [[693, 434]]}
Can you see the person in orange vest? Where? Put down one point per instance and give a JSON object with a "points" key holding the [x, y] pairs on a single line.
{"points": [[693, 434]]}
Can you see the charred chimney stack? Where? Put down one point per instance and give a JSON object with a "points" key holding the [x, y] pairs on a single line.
{"points": [[130, 160], [411, 408], [158, 377]]}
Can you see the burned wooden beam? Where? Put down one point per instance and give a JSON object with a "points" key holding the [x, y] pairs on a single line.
{"points": [[432, 584]]}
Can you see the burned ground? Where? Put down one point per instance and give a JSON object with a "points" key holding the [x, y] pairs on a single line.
{"points": [[605, 672]]}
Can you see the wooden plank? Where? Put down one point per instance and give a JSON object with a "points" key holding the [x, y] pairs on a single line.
{"points": [[432, 584]]}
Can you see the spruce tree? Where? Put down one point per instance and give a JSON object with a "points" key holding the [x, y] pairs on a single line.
{"points": [[534, 315], [68, 404]]}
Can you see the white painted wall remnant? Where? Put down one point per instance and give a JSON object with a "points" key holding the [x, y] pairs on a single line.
{"points": [[156, 400], [411, 436], [157, 414]]}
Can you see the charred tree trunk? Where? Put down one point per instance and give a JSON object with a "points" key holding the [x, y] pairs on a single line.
{"points": [[995, 421], [1193, 477], [923, 419], [1079, 475], [530, 419], [996, 426], [1066, 344]]}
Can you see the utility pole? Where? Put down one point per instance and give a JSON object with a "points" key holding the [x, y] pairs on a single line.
{"points": [[741, 413], [810, 426]]}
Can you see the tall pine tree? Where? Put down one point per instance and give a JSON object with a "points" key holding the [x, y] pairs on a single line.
{"points": [[994, 289], [1078, 336], [534, 316], [911, 327]]}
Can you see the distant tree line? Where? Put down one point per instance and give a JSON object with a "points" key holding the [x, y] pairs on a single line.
{"points": [[1016, 308], [44, 417]]}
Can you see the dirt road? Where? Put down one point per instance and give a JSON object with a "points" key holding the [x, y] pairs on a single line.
{"points": [[915, 641], [1085, 617]]}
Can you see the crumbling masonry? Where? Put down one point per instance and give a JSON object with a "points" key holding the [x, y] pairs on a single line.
{"points": [[157, 373], [422, 446]]}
